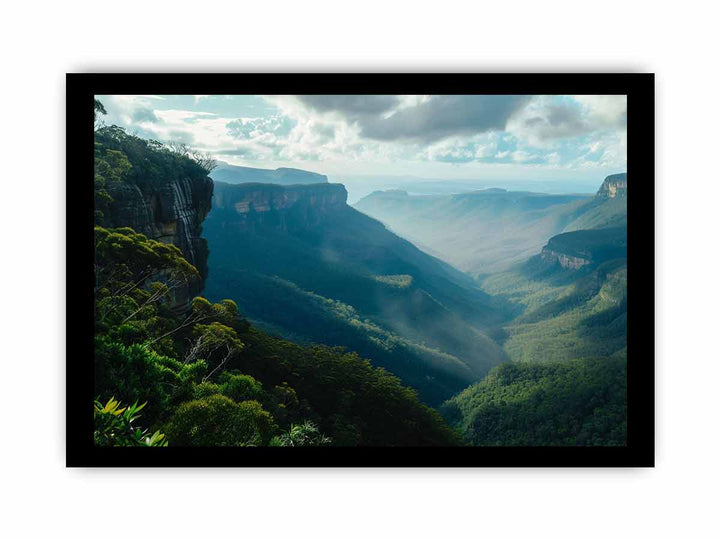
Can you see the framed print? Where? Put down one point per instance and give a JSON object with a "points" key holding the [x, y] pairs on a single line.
{"points": [[426, 270]]}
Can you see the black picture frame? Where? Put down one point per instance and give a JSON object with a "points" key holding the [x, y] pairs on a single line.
{"points": [[640, 448]]}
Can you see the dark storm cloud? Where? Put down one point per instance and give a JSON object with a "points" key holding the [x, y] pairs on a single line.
{"points": [[444, 116], [559, 121], [351, 106]]}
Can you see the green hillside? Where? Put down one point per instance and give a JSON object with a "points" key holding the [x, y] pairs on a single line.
{"points": [[564, 313], [567, 403], [568, 341], [600, 214]]}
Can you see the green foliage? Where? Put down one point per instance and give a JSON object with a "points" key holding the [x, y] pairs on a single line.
{"points": [[570, 403], [98, 108], [240, 387], [127, 253], [215, 335], [205, 390], [349, 400], [110, 166], [567, 314], [114, 426], [133, 374], [135, 278], [305, 434], [152, 161], [219, 421]]}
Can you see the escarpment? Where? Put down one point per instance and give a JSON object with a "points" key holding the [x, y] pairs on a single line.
{"points": [[614, 187], [301, 206], [171, 211], [577, 249], [564, 260]]}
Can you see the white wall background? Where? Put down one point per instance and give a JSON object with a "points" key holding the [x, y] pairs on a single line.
{"points": [[41, 41]]}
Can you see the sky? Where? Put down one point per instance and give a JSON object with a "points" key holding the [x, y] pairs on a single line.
{"points": [[567, 140]]}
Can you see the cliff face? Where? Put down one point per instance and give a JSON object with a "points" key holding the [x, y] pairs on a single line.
{"points": [[581, 248], [171, 212], [279, 207], [614, 187], [563, 259]]}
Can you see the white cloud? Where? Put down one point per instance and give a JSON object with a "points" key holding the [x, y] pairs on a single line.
{"points": [[604, 111]]}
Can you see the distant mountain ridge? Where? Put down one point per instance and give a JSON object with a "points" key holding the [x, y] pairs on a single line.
{"points": [[234, 174], [486, 231], [480, 232], [573, 292]]}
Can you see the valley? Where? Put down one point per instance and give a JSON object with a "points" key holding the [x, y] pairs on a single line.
{"points": [[304, 265], [562, 269], [240, 305], [299, 260]]}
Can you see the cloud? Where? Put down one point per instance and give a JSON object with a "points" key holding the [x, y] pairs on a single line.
{"points": [[605, 111], [444, 116], [143, 114], [422, 119], [181, 136], [248, 128], [547, 119], [350, 106]]}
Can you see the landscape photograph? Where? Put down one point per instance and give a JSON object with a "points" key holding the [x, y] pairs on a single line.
{"points": [[362, 270]]}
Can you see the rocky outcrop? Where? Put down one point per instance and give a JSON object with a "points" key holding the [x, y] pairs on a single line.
{"points": [[577, 249], [280, 207], [614, 187], [563, 259], [171, 212]]}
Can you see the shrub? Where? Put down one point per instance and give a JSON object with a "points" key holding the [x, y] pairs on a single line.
{"points": [[240, 387], [133, 374], [219, 421], [305, 434], [205, 390]]}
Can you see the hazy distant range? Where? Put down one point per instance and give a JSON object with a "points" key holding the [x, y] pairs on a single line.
{"points": [[361, 186]]}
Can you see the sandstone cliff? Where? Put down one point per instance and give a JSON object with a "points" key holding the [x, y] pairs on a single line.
{"points": [[577, 249], [171, 211], [563, 259], [277, 206], [614, 187]]}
